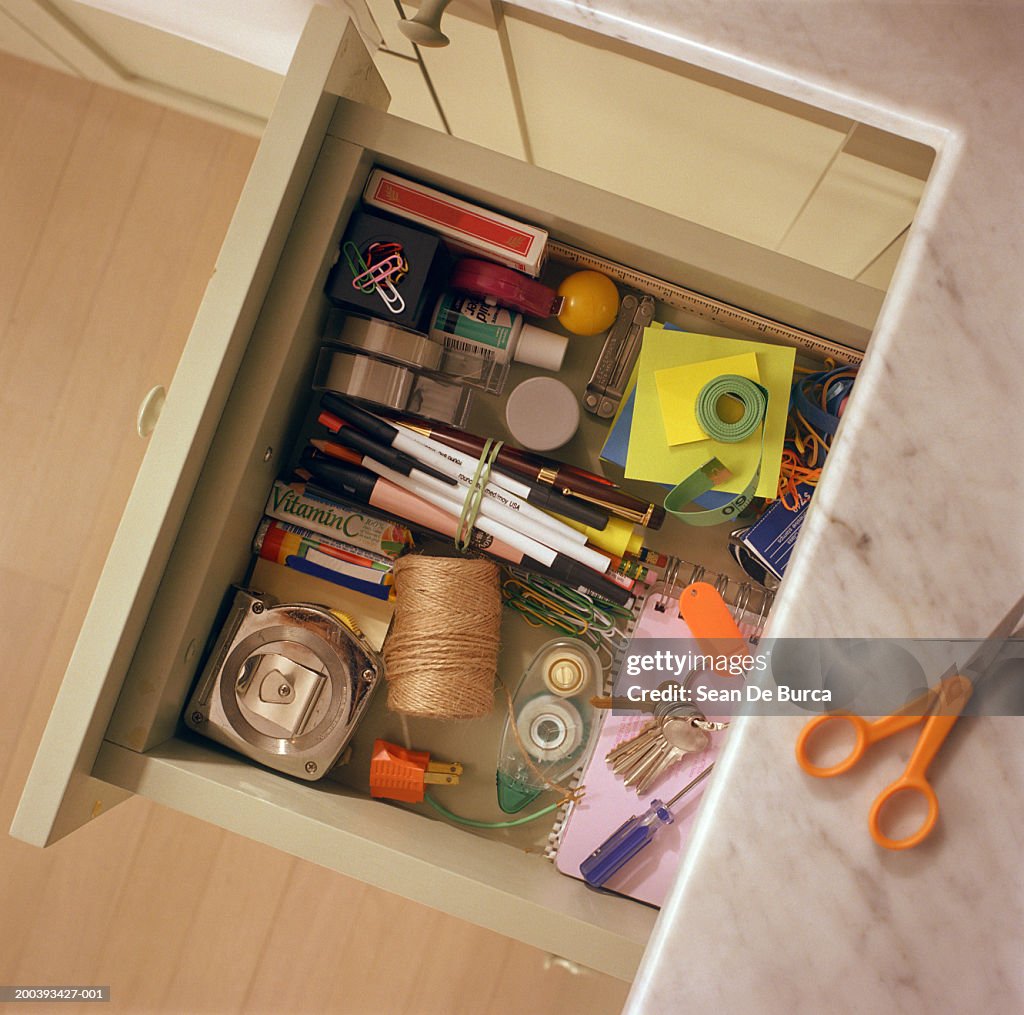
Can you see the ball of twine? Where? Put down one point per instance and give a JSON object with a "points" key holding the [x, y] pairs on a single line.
{"points": [[442, 652]]}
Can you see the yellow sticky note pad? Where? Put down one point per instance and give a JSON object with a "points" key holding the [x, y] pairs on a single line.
{"points": [[651, 458], [678, 388]]}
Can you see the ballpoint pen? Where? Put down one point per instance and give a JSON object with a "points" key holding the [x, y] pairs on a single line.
{"points": [[356, 484], [574, 483], [444, 459], [513, 523]]}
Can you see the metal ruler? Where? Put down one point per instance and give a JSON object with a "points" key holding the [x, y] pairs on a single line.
{"points": [[725, 314]]}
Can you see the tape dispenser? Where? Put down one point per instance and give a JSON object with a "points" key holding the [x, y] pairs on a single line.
{"points": [[551, 722], [285, 685]]}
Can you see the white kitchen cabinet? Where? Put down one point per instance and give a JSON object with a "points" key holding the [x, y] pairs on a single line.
{"points": [[800, 180], [232, 411]]}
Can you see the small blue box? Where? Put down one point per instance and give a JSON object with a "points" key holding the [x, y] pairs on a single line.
{"points": [[772, 537]]}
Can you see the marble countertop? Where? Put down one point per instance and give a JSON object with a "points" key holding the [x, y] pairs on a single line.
{"points": [[784, 903]]}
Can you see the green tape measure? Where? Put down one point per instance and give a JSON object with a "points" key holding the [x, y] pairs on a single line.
{"points": [[754, 399], [748, 393]]}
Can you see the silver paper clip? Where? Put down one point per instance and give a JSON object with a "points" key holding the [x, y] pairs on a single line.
{"points": [[379, 278]]}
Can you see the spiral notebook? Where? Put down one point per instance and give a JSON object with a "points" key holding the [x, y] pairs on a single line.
{"points": [[607, 803]]}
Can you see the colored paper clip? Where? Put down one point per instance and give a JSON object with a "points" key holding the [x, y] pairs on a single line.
{"points": [[379, 277]]}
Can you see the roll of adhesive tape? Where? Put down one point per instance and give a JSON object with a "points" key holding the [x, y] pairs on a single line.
{"points": [[568, 669], [550, 728], [374, 380], [542, 414]]}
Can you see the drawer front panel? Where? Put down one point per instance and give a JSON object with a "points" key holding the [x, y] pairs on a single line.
{"points": [[485, 882], [58, 796]]}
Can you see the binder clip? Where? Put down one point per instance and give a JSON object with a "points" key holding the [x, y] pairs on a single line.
{"points": [[397, 773]]}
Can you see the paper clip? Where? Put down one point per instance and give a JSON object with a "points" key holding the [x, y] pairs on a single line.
{"points": [[378, 277], [390, 295]]}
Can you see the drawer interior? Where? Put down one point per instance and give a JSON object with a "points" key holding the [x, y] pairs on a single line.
{"points": [[498, 877]]}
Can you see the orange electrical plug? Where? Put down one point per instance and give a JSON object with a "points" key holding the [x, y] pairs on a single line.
{"points": [[398, 773]]}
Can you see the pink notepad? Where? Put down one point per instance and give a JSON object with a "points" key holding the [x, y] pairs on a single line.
{"points": [[608, 803]]}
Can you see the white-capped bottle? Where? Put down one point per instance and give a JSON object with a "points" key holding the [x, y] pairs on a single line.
{"points": [[465, 324]]}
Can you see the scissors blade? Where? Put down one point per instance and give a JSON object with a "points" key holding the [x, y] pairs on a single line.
{"points": [[991, 648]]}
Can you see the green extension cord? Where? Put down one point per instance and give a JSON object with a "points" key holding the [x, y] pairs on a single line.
{"points": [[489, 824]]}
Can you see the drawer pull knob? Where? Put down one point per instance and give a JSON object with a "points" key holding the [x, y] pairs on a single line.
{"points": [[425, 28], [149, 411]]}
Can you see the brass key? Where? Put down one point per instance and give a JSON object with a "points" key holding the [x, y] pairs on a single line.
{"points": [[681, 737], [679, 729]]}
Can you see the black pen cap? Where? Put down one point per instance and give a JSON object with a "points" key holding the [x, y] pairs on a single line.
{"points": [[568, 507], [351, 413], [573, 573], [359, 441], [344, 480]]}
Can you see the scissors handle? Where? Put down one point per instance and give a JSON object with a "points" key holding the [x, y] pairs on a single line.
{"points": [[954, 693], [866, 733]]}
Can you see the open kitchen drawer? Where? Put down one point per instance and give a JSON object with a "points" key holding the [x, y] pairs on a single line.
{"points": [[232, 413]]}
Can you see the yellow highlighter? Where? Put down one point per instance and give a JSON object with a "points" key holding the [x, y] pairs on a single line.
{"points": [[618, 537]]}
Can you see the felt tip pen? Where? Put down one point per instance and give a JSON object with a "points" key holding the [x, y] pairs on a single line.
{"points": [[460, 470], [417, 483], [364, 446], [396, 502], [438, 454], [540, 544], [398, 461], [465, 441], [573, 483], [401, 440], [365, 488], [549, 532], [458, 474]]}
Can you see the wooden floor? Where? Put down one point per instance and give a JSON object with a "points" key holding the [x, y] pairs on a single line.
{"points": [[111, 214]]}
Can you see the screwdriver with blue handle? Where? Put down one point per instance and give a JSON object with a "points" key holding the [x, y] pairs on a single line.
{"points": [[631, 837]]}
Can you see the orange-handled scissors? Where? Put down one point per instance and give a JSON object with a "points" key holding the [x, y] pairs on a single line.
{"points": [[944, 704], [939, 710]]}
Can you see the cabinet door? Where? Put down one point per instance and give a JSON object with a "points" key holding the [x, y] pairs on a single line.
{"points": [[808, 183], [61, 794]]}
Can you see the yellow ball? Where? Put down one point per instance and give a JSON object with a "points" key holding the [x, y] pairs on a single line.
{"points": [[591, 303]]}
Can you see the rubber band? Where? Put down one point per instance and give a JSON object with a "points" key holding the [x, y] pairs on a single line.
{"points": [[475, 493], [815, 403]]}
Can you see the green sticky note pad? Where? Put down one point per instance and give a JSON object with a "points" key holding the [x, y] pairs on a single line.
{"points": [[678, 388], [651, 458]]}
